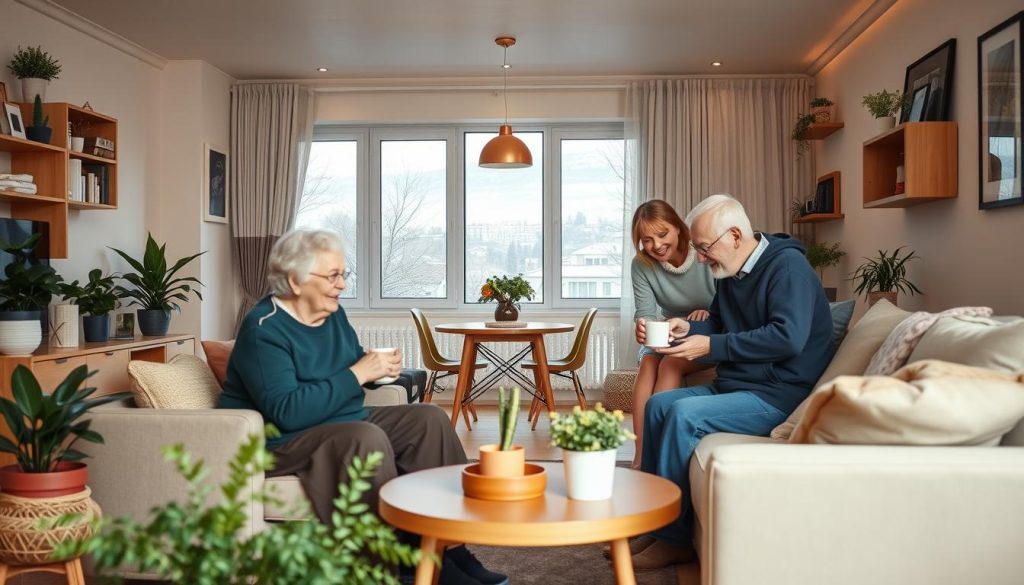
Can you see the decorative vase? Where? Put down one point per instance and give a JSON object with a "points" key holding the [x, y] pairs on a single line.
{"points": [[20, 332], [24, 542], [64, 332], [96, 327], [506, 311], [154, 321], [886, 123], [39, 133], [31, 87], [589, 475], [875, 296], [497, 463]]}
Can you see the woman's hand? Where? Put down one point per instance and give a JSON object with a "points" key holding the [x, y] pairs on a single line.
{"points": [[641, 331], [377, 364], [698, 315]]}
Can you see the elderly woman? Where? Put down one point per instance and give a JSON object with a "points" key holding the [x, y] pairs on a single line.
{"points": [[298, 362]]}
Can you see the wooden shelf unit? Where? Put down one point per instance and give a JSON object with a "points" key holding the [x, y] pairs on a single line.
{"points": [[48, 165], [837, 201], [928, 153], [820, 130]]}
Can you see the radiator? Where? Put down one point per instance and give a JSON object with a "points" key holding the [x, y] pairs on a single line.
{"points": [[600, 351]]}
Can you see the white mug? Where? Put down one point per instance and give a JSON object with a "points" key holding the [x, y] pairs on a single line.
{"points": [[385, 379], [657, 333]]}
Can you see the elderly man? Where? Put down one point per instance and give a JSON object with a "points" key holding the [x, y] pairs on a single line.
{"points": [[769, 335]]}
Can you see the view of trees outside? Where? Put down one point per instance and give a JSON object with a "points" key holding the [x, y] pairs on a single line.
{"points": [[329, 199], [504, 216], [413, 191]]}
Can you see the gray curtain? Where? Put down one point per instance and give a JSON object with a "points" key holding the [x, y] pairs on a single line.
{"points": [[690, 138], [271, 134]]}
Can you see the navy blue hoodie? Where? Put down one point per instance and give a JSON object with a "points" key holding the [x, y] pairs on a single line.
{"points": [[771, 330]]}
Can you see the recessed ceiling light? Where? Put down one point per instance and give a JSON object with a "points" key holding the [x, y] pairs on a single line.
{"points": [[716, 64], [322, 69]]}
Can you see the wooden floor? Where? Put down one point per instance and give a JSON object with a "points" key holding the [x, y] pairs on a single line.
{"points": [[537, 443]]}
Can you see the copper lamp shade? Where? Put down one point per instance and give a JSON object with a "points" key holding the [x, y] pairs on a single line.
{"points": [[505, 151]]}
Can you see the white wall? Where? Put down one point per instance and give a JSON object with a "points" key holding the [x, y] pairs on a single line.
{"points": [[969, 256]]}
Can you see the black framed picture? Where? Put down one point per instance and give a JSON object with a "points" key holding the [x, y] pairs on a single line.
{"points": [[1000, 53], [934, 70], [215, 185]]}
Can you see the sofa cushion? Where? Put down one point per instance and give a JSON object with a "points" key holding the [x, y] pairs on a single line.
{"points": [[217, 355], [928, 402], [853, 354], [842, 312], [897, 347], [975, 341], [702, 460], [293, 505], [183, 382]]}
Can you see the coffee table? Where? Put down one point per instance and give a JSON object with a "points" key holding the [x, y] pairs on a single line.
{"points": [[430, 503]]}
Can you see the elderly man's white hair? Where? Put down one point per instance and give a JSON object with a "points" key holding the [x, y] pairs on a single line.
{"points": [[726, 213], [296, 253]]}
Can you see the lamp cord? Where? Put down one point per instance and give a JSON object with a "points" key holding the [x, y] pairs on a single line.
{"points": [[504, 81]]}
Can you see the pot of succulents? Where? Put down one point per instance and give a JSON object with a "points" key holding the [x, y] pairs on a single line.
{"points": [[357, 549], [95, 299], [40, 130], [803, 123], [49, 478], [504, 459], [822, 255], [589, 439], [155, 287], [823, 110], [25, 291], [884, 106], [36, 69], [885, 276], [507, 291]]}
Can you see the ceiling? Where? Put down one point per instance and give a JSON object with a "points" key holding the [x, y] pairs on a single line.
{"points": [[275, 39]]}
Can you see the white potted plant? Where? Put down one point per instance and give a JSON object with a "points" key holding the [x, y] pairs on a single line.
{"points": [[589, 439], [36, 69], [884, 106], [25, 292]]}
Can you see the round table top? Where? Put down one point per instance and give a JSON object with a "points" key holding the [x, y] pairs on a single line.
{"points": [[480, 328], [431, 503]]}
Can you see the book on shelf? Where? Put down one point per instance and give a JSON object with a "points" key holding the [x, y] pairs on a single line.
{"points": [[97, 142], [98, 181], [74, 183]]}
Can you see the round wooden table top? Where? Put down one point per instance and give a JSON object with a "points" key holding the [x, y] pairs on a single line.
{"points": [[431, 503], [480, 328]]}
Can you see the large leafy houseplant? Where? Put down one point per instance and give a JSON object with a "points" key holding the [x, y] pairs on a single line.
{"points": [[885, 274], [196, 543], [26, 286], [34, 62], [96, 297], [884, 104]]}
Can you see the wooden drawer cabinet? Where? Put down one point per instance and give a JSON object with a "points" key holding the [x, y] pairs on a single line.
{"points": [[187, 346], [111, 369], [52, 372]]}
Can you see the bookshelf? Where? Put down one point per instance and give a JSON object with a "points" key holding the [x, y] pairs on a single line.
{"points": [[834, 180], [928, 153]]}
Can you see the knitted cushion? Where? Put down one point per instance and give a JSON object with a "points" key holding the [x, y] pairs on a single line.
{"points": [[618, 390], [184, 382]]}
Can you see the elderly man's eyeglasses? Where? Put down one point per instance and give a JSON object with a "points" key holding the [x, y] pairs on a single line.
{"points": [[334, 277], [707, 248]]}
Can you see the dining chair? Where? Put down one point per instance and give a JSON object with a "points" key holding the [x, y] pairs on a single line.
{"points": [[438, 365], [567, 366]]}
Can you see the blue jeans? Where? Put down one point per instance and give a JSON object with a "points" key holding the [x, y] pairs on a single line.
{"points": [[676, 420]]}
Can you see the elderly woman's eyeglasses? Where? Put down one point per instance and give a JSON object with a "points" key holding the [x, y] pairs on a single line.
{"points": [[334, 277]]}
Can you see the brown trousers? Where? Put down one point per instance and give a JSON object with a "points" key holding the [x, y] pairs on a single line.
{"points": [[411, 437]]}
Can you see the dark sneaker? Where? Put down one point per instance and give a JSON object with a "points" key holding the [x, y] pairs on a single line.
{"points": [[469, 565]]}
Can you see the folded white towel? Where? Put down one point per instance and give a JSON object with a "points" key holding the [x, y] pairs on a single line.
{"points": [[4, 183], [8, 176], [25, 190]]}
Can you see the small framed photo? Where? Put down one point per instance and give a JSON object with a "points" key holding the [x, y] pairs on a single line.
{"points": [[1001, 114], [124, 326], [12, 113], [215, 184], [918, 103]]}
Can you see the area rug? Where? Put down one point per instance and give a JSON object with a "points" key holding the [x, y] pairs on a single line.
{"points": [[561, 565]]}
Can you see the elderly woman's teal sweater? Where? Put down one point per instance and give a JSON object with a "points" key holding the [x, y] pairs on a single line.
{"points": [[295, 375]]}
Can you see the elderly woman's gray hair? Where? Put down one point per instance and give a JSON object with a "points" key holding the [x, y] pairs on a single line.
{"points": [[296, 253]]}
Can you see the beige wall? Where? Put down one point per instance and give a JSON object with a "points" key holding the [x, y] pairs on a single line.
{"points": [[969, 256]]}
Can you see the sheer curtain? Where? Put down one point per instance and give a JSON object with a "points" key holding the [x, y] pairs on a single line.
{"points": [[271, 135], [690, 138]]}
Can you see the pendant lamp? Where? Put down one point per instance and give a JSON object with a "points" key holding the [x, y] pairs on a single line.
{"points": [[505, 151]]}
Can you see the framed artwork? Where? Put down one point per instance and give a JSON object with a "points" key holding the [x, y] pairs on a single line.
{"points": [[1000, 52], [918, 103], [215, 184], [124, 326], [934, 70], [12, 114]]}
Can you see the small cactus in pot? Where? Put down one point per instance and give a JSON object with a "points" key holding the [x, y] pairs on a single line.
{"points": [[504, 459]]}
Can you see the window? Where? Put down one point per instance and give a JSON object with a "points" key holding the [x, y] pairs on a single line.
{"points": [[425, 226]]}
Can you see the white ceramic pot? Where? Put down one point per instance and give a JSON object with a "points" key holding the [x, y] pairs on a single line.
{"points": [[33, 86], [20, 337], [589, 475], [77, 143], [885, 124]]}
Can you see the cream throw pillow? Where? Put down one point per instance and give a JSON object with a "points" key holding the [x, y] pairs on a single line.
{"points": [[853, 355], [924, 403], [183, 382], [975, 341]]}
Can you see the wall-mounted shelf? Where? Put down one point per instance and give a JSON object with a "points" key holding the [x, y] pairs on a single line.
{"points": [[928, 153], [829, 184], [820, 130]]}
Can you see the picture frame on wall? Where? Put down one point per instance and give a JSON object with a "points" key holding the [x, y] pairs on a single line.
{"points": [[215, 184], [12, 114], [934, 70], [1000, 56]]}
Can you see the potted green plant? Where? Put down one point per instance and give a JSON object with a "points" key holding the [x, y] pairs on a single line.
{"points": [[43, 431], [823, 110], [36, 69], [507, 291], [884, 106], [503, 459], [25, 291], [884, 276], [589, 439], [40, 130], [95, 299], [156, 288], [803, 123], [822, 255], [358, 549]]}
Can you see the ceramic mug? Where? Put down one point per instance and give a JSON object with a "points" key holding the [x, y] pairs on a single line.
{"points": [[657, 333], [385, 379]]}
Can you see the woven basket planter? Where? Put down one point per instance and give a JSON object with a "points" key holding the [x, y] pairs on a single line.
{"points": [[22, 542], [618, 390]]}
